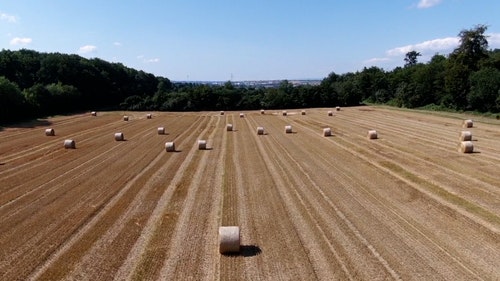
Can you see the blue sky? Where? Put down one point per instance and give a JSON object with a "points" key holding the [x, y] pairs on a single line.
{"points": [[245, 40]]}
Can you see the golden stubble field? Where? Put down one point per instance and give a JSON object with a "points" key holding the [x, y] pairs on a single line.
{"points": [[407, 205]]}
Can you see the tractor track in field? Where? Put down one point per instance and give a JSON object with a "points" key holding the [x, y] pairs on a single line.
{"points": [[405, 223], [451, 194], [304, 226], [302, 180], [191, 246], [94, 207], [91, 162], [143, 260], [123, 216], [443, 137], [39, 150]]}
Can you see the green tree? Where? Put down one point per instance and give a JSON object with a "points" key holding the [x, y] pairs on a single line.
{"points": [[484, 92], [456, 85], [473, 47], [12, 103], [371, 80], [411, 58]]}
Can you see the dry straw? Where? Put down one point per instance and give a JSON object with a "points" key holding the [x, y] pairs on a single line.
{"points": [[466, 147], [93, 113], [465, 136], [468, 123], [242, 115], [260, 130], [330, 113], [372, 134], [149, 116], [288, 129], [69, 144], [327, 132], [119, 137], [202, 144], [229, 239], [303, 112], [284, 112], [229, 127], [50, 132], [125, 118], [170, 146], [161, 130]]}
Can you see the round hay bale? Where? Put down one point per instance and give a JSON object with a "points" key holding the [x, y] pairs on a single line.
{"points": [[468, 123], [50, 132], [229, 239], [222, 113], [327, 132], [69, 144], [125, 118], [330, 113], [372, 134], [303, 112], [284, 112], [93, 113], [466, 147], [262, 111], [149, 116], [229, 127], [242, 115], [119, 137], [337, 108], [202, 144], [170, 146], [465, 136], [260, 130], [288, 129], [161, 130]]}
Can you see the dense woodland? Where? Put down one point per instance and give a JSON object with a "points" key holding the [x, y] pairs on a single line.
{"points": [[34, 85]]}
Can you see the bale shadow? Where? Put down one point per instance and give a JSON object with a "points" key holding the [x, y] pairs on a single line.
{"points": [[246, 251]]}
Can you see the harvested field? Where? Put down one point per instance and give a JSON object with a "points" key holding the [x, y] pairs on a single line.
{"points": [[406, 206]]}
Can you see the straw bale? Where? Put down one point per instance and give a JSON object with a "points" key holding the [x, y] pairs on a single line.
{"points": [[229, 239]]}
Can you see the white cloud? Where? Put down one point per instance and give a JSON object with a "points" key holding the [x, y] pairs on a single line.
{"points": [[428, 49], [20, 41], [7, 17], [118, 44], [376, 60], [494, 40], [153, 60], [144, 60], [432, 46], [87, 49], [424, 4]]}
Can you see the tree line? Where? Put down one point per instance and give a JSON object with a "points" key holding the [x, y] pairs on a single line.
{"points": [[34, 85]]}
